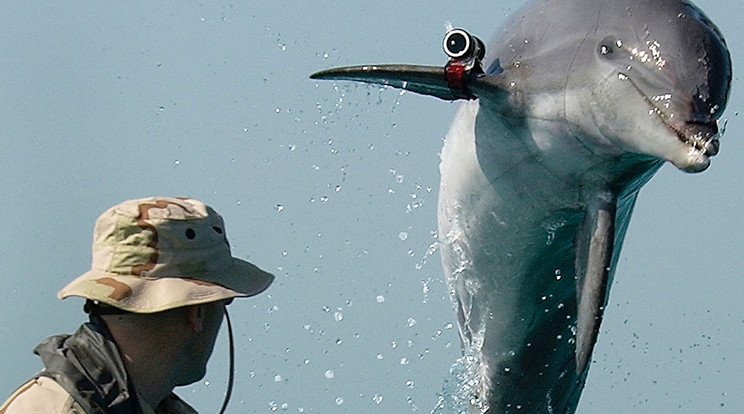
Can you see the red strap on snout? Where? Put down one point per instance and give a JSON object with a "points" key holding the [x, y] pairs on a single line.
{"points": [[454, 73]]}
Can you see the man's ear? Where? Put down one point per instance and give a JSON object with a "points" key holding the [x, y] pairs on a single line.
{"points": [[195, 316]]}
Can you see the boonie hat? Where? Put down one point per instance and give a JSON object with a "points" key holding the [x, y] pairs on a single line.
{"points": [[158, 253]]}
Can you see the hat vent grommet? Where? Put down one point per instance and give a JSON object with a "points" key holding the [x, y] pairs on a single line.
{"points": [[190, 234]]}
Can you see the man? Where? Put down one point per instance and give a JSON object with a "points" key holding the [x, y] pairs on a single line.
{"points": [[161, 277]]}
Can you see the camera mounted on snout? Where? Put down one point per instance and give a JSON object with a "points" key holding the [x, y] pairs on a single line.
{"points": [[460, 45], [465, 53]]}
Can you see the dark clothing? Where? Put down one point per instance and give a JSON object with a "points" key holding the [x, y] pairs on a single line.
{"points": [[88, 366]]}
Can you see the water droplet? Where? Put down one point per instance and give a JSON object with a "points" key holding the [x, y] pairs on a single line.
{"points": [[279, 207], [339, 400], [402, 235], [338, 316], [380, 298], [404, 361], [329, 374], [377, 399]]}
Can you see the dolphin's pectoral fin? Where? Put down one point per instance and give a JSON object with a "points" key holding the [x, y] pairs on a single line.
{"points": [[594, 249]]}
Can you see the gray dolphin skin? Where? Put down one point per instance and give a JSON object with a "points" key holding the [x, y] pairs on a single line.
{"points": [[572, 108]]}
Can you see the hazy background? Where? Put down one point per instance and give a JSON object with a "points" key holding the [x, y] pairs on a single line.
{"points": [[333, 188]]}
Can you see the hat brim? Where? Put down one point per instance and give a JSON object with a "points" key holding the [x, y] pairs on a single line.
{"points": [[148, 295]]}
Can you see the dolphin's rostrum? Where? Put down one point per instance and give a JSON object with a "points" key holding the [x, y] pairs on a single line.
{"points": [[570, 110]]}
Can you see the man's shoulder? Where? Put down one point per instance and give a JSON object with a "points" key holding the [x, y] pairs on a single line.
{"points": [[40, 395], [43, 395]]}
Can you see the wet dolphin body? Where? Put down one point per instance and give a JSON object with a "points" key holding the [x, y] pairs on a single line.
{"points": [[575, 105]]}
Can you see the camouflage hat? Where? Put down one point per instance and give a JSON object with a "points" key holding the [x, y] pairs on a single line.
{"points": [[154, 254]]}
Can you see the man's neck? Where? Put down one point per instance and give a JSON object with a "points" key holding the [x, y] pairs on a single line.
{"points": [[151, 384], [148, 360]]}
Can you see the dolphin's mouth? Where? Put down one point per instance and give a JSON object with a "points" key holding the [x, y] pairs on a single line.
{"points": [[701, 137]]}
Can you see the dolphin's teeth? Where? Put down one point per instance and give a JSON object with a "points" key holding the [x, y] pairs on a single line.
{"points": [[708, 145]]}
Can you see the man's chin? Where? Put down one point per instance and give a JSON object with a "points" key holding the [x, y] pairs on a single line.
{"points": [[184, 380]]}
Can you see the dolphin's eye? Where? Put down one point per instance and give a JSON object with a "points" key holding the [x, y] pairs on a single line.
{"points": [[459, 44], [607, 47]]}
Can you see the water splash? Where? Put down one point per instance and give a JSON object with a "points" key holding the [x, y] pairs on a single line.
{"points": [[459, 392], [461, 388], [429, 252]]}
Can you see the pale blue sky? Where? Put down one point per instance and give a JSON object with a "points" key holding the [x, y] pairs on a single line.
{"points": [[333, 188]]}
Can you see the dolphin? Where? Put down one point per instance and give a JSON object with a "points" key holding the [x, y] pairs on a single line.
{"points": [[571, 109]]}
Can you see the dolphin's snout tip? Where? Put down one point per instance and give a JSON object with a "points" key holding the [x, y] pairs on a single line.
{"points": [[702, 135], [694, 161], [700, 140]]}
